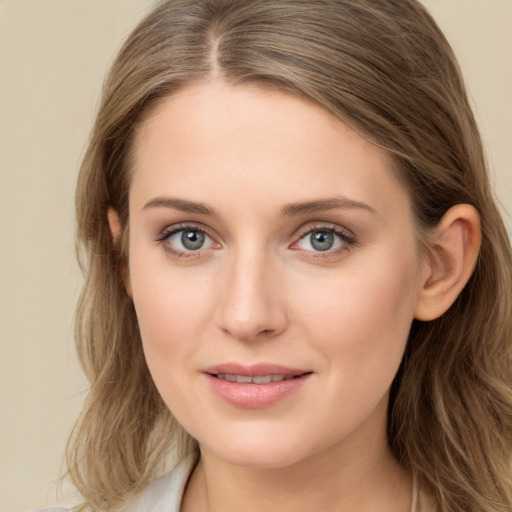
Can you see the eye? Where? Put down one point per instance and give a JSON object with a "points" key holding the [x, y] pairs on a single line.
{"points": [[180, 240], [323, 240], [189, 239]]}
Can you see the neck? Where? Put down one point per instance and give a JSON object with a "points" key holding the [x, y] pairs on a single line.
{"points": [[357, 475]]}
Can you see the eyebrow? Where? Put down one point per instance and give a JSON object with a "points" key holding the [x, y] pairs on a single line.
{"points": [[295, 209], [289, 210], [180, 204]]}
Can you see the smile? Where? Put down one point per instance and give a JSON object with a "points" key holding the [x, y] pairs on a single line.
{"points": [[255, 386], [247, 379]]}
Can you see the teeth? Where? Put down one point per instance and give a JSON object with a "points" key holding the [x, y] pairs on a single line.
{"points": [[262, 380], [276, 378], [246, 379]]}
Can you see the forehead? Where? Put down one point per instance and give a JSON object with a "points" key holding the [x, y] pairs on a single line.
{"points": [[237, 142]]}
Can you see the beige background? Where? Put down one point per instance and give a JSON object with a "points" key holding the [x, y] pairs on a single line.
{"points": [[53, 55]]}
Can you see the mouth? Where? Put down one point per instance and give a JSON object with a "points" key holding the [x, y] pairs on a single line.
{"points": [[247, 379], [255, 386], [262, 373]]}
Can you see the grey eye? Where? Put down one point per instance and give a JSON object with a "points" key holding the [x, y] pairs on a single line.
{"points": [[190, 240], [321, 240]]}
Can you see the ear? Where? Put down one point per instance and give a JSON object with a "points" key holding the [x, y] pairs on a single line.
{"points": [[114, 223], [452, 257]]}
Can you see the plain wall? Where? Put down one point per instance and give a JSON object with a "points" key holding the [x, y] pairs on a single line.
{"points": [[53, 56]]}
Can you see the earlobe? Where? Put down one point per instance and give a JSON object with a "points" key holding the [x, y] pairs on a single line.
{"points": [[114, 223], [452, 257]]}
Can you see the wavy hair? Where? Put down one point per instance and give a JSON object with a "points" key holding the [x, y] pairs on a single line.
{"points": [[385, 68]]}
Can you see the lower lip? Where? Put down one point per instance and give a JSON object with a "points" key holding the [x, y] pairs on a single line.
{"points": [[255, 396]]}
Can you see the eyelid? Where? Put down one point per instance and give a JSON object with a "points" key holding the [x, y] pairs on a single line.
{"points": [[182, 226], [347, 237], [343, 232], [172, 229]]}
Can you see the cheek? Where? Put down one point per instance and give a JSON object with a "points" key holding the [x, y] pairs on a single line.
{"points": [[359, 324], [171, 311], [360, 317], [172, 307]]}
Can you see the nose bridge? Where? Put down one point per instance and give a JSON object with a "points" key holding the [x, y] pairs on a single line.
{"points": [[250, 306]]}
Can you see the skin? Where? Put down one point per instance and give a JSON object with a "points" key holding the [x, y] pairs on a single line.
{"points": [[258, 291]]}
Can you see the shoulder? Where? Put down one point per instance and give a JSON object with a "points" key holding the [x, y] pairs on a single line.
{"points": [[165, 494], [162, 495]]}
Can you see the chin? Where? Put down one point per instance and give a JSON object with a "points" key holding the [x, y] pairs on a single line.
{"points": [[258, 460], [257, 451]]}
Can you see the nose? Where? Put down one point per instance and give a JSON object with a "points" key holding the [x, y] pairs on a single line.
{"points": [[251, 305]]}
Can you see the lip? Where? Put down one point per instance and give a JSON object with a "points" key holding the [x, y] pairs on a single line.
{"points": [[251, 395], [255, 370]]}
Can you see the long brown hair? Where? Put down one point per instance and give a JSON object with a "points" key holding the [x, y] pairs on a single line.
{"points": [[385, 68]]}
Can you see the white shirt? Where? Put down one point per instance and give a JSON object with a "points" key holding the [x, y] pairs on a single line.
{"points": [[166, 493]]}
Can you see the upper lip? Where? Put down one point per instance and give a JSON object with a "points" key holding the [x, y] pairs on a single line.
{"points": [[254, 370]]}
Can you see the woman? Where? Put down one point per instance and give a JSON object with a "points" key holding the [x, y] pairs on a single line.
{"points": [[297, 278]]}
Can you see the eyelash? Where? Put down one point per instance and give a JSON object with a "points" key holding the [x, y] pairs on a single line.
{"points": [[347, 239], [172, 230]]}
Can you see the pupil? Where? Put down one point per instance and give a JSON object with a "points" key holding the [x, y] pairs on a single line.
{"points": [[192, 240], [322, 240]]}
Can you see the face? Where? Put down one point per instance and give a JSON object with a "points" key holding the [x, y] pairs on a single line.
{"points": [[274, 272]]}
